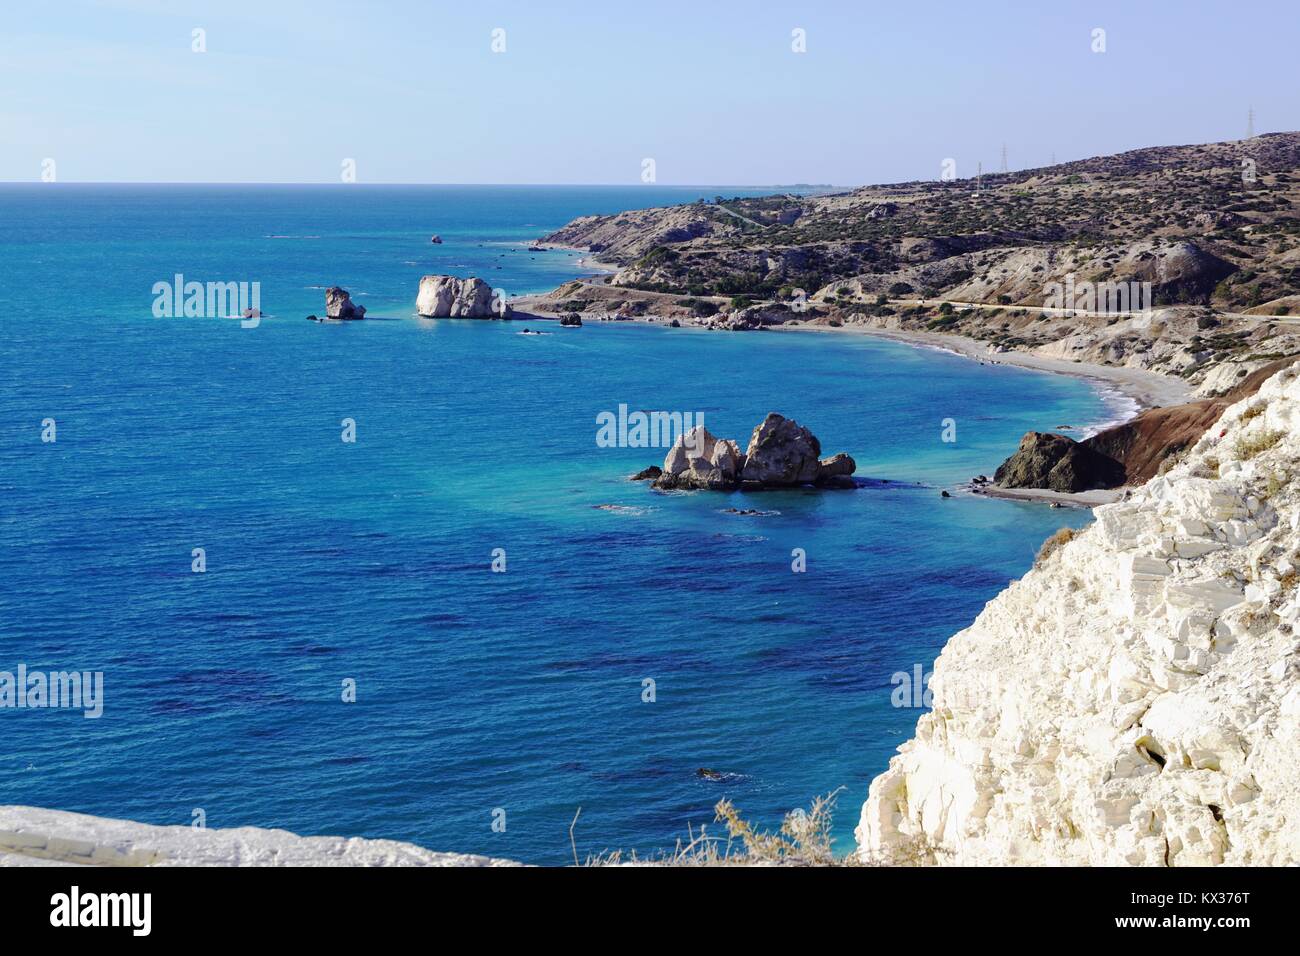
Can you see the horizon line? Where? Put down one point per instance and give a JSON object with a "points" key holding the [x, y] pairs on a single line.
{"points": [[637, 185]]}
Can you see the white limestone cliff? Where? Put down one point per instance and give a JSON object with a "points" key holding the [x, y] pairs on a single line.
{"points": [[32, 836], [1135, 698]]}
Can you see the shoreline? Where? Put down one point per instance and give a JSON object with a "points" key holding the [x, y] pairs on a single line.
{"points": [[1128, 391], [1146, 389], [586, 260]]}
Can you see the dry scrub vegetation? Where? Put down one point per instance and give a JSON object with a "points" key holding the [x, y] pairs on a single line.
{"points": [[803, 840], [1050, 546]]}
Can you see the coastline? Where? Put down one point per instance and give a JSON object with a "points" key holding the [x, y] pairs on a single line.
{"points": [[1142, 389], [1146, 389], [1137, 390], [586, 260]]}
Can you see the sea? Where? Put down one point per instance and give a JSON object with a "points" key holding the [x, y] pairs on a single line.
{"points": [[381, 579]]}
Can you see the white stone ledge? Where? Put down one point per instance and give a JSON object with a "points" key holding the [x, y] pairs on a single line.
{"points": [[32, 836]]}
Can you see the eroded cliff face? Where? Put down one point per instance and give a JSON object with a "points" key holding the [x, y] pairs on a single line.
{"points": [[1134, 699]]}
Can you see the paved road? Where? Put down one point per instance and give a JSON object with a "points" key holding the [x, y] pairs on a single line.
{"points": [[1290, 319], [604, 279]]}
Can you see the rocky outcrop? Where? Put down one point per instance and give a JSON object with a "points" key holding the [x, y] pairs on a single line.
{"points": [[339, 305], [1046, 460], [444, 297], [1130, 453], [31, 836], [781, 454], [699, 460], [1144, 443], [1135, 698]]}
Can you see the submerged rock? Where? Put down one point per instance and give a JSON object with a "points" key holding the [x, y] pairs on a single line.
{"points": [[443, 297], [339, 305]]}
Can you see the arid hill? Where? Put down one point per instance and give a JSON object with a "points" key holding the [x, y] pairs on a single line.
{"points": [[1211, 232], [1214, 224]]}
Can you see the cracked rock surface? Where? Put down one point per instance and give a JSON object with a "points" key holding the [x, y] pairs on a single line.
{"points": [[1134, 700]]}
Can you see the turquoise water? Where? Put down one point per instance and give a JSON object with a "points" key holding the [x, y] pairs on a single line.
{"points": [[370, 561]]}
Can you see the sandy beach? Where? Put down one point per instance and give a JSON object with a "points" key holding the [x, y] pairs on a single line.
{"points": [[1147, 389]]}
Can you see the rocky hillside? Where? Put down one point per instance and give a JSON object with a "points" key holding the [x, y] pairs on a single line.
{"points": [[1193, 220], [1135, 698], [1214, 229]]}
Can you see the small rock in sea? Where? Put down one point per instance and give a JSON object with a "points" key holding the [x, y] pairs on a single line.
{"points": [[436, 240], [572, 319], [339, 305], [944, 494], [675, 324], [1064, 428], [312, 318], [704, 773], [648, 474], [1054, 504]]}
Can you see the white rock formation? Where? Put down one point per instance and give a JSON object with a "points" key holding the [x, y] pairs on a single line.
{"points": [[443, 297], [339, 305], [30, 836], [1135, 699]]}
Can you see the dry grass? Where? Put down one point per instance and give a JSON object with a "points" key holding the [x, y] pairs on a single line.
{"points": [[1253, 411], [1050, 546], [803, 840], [1207, 468], [1248, 446]]}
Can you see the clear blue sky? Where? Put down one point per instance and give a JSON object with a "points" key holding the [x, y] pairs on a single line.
{"points": [[584, 91]]}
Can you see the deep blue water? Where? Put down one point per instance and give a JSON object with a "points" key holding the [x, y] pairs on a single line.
{"points": [[370, 561]]}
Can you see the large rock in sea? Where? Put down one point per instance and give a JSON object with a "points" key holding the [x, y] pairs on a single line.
{"points": [[699, 460], [1045, 460], [339, 305], [1134, 699], [443, 297], [781, 454]]}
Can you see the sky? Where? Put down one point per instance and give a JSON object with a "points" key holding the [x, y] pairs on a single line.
{"points": [[713, 91]]}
